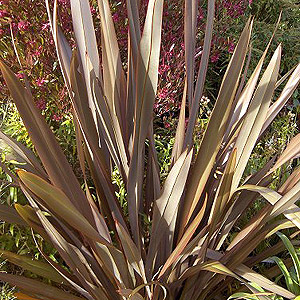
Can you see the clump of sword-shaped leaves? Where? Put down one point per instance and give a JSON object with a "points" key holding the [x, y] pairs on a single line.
{"points": [[185, 253]]}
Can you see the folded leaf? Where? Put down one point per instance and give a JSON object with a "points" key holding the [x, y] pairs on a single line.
{"points": [[35, 266], [37, 288], [59, 203], [10, 215]]}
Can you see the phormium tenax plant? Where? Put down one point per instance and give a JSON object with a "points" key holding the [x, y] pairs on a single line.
{"points": [[175, 242]]}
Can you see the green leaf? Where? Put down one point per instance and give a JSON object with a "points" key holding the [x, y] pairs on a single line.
{"points": [[292, 252], [249, 296], [287, 276]]}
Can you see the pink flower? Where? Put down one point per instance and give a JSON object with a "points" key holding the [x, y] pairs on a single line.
{"points": [[186, 121], [124, 31], [93, 10], [40, 82], [163, 68], [215, 57], [38, 52], [163, 93], [64, 2], [116, 17], [1, 32], [231, 47], [23, 25], [167, 125], [31, 43], [56, 117], [155, 106], [234, 8], [41, 104], [45, 26], [200, 15], [3, 13], [20, 75]]}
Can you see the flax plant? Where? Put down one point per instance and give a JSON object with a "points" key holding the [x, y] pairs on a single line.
{"points": [[187, 251]]}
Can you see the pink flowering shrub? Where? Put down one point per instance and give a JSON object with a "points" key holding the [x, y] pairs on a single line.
{"points": [[171, 83], [31, 30], [34, 44]]}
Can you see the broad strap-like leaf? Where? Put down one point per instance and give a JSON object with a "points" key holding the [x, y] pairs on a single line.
{"points": [[37, 288], [224, 191], [287, 200], [249, 275], [270, 195], [22, 296], [293, 214], [49, 151], [239, 205], [255, 116], [194, 111], [10, 215], [285, 95], [216, 127], [60, 204], [292, 252], [111, 127], [184, 240], [180, 130], [74, 258], [35, 266], [212, 266], [133, 54], [63, 49], [28, 214], [153, 187], [131, 252], [285, 76], [128, 294], [146, 86], [262, 281], [292, 151], [290, 182], [23, 154], [134, 26], [242, 102], [190, 28], [166, 207], [68, 277], [114, 81], [287, 276], [87, 46], [85, 118], [115, 262], [85, 35]]}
